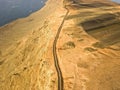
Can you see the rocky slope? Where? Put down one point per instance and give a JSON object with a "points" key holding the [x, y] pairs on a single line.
{"points": [[88, 47]]}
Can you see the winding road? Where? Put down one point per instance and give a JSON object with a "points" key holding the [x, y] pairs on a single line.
{"points": [[56, 61]]}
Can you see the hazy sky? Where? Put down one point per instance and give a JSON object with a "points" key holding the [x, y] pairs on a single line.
{"points": [[116, 0]]}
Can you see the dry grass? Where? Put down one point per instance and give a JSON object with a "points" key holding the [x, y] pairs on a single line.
{"points": [[1, 62], [90, 49], [80, 40], [0, 53], [83, 65], [68, 45], [98, 45]]}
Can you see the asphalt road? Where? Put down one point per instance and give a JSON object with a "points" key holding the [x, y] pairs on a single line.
{"points": [[56, 61]]}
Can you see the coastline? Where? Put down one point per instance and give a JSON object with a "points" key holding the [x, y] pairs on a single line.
{"points": [[17, 29], [25, 16]]}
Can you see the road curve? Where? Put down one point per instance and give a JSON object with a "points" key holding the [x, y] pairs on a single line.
{"points": [[56, 61]]}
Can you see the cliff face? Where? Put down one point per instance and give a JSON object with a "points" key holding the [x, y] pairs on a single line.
{"points": [[88, 47]]}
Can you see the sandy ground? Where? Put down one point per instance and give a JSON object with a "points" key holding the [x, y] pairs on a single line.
{"points": [[90, 59], [22, 27], [88, 48], [26, 60]]}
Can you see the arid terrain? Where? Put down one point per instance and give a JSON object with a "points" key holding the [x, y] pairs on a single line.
{"points": [[85, 36]]}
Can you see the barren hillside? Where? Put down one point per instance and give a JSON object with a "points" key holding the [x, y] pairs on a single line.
{"points": [[87, 47]]}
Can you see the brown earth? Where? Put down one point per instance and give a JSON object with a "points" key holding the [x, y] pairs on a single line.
{"points": [[88, 47]]}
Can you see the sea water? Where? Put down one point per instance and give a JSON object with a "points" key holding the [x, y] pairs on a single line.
{"points": [[11, 10]]}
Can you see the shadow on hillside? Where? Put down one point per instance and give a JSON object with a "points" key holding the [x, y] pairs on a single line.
{"points": [[78, 4], [104, 28]]}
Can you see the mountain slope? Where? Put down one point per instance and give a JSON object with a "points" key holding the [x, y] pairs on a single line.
{"points": [[24, 64], [88, 47]]}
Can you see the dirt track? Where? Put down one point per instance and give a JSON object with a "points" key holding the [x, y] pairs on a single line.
{"points": [[56, 61]]}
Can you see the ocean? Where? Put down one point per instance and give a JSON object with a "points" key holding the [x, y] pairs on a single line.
{"points": [[11, 10]]}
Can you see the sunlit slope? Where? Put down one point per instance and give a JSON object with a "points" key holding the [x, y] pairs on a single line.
{"points": [[88, 48], [15, 30], [89, 45], [25, 62]]}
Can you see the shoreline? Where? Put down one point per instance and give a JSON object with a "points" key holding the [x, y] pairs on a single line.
{"points": [[23, 17], [20, 28]]}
